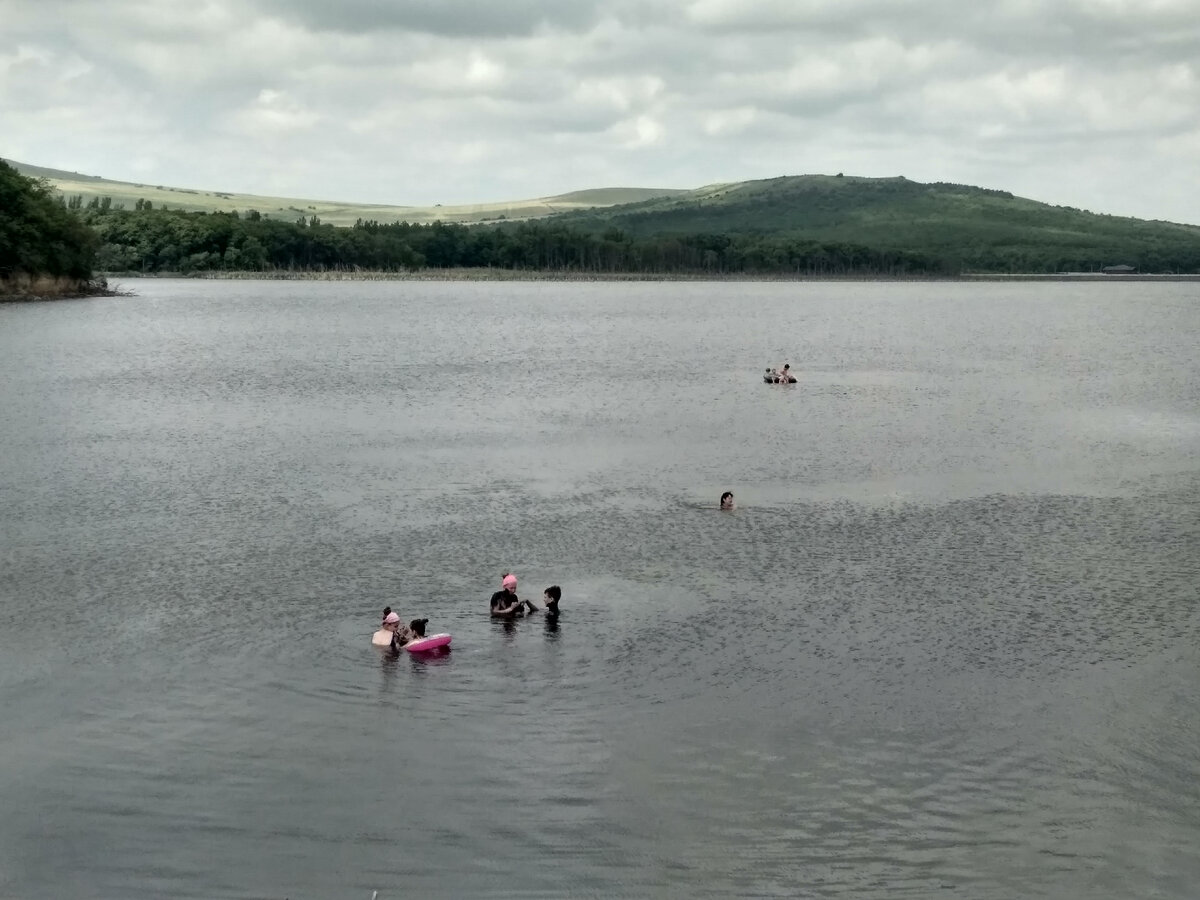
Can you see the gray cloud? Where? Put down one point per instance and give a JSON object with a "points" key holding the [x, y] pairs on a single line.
{"points": [[455, 101], [451, 18]]}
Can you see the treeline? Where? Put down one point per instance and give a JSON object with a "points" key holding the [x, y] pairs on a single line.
{"points": [[156, 240], [39, 238], [1009, 238]]}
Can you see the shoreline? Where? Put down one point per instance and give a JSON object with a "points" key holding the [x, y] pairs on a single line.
{"points": [[38, 291], [567, 276], [44, 290]]}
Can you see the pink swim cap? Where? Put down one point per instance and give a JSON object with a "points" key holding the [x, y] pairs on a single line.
{"points": [[391, 619], [509, 581]]}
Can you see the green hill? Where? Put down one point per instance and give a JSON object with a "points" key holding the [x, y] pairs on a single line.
{"points": [[970, 225], [807, 224], [128, 193]]}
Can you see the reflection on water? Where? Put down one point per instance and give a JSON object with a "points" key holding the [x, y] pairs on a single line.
{"points": [[947, 643]]}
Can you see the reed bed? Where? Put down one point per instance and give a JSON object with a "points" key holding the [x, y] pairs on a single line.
{"points": [[21, 288]]}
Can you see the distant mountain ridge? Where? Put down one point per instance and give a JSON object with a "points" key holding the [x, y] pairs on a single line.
{"points": [[331, 212]]}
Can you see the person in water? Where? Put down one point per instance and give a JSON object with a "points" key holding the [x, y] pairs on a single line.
{"points": [[785, 374], [416, 629], [727, 500], [391, 633], [505, 603], [550, 597]]}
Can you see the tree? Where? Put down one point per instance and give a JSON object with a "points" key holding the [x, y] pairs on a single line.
{"points": [[39, 236]]}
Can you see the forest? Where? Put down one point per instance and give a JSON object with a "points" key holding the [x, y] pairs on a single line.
{"points": [[802, 226], [42, 243], [151, 241]]}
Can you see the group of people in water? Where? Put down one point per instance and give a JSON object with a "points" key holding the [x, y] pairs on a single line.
{"points": [[782, 375], [505, 604], [394, 635]]}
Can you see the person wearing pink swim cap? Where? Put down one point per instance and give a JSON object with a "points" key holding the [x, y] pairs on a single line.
{"points": [[505, 603], [391, 633]]}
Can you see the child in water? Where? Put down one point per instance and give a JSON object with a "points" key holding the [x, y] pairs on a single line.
{"points": [[550, 597], [416, 629], [727, 500]]}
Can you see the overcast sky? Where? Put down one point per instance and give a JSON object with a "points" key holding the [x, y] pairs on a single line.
{"points": [[1087, 103]]}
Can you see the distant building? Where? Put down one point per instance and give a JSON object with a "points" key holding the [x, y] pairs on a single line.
{"points": [[1119, 270]]}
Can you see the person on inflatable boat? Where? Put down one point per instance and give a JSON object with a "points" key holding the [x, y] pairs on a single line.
{"points": [[416, 629]]}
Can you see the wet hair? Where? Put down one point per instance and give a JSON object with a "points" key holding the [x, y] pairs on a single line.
{"points": [[387, 611], [787, 366], [554, 592], [728, 494], [417, 626]]}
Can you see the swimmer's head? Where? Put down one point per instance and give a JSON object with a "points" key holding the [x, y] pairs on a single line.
{"points": [[391, 618], [553, 593], [509, 581], [417, 626]]}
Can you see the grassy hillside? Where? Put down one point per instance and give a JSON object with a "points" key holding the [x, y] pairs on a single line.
{"points": [[804, 223], [968, 224], [290, 208]]}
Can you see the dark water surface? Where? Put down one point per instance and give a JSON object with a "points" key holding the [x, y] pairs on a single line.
{"points": [[948, 645]]}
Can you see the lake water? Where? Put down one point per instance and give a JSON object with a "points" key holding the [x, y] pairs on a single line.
{"points": [[947, 645]]}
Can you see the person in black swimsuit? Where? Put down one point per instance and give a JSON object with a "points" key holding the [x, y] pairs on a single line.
{"points": [[505, 603]]}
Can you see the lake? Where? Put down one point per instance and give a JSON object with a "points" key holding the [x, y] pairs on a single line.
{"points": [[947, 644]]}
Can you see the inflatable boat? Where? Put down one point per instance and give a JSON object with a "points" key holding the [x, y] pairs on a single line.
{"points": [[432, 642]]}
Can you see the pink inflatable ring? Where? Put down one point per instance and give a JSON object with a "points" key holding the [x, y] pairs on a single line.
{"points": [[432, 642]]}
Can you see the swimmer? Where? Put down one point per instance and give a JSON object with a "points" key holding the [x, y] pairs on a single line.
{"points": [[391, 633], [550, 597], [727, 500], [505, 603]]}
